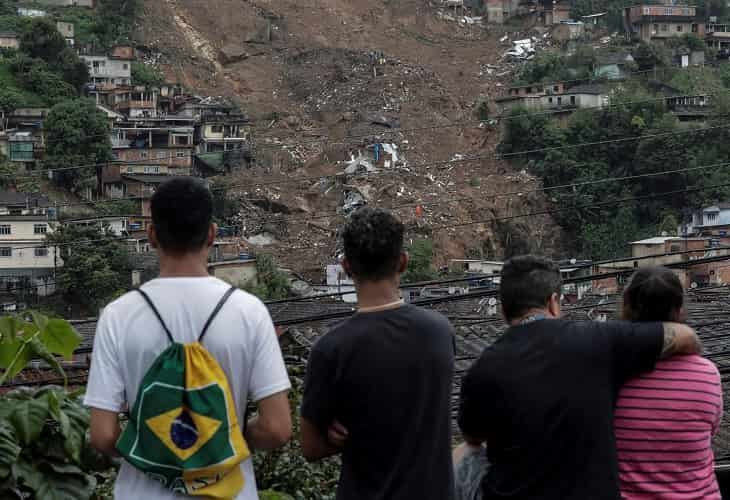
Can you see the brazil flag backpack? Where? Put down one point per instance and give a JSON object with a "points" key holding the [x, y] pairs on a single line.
{"points": [[183, 430]]}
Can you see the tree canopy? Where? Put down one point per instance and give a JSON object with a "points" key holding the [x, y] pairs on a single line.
{"points": [[95, 266], [78, 134]]}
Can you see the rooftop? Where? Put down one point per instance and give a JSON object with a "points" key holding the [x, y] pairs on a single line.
{"points": [[147, 178], [24, 199], [658, 240], [589, 88]]}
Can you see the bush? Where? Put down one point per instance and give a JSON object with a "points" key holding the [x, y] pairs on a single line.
{"points": [[420, 266], [149, 76]]}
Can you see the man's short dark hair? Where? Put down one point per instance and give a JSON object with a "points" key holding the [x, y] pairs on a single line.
{"points": [[527, 282], [182, 211], [373, 240], [653, 294]]}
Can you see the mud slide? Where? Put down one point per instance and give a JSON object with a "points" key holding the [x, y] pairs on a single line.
{"points": [[200, 44]]}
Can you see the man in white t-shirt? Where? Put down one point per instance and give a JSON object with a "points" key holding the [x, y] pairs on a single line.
{"points": [[241, 338]]}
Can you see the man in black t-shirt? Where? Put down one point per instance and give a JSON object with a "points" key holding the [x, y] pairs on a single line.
{"points": [[542, 396], [378, 386]]}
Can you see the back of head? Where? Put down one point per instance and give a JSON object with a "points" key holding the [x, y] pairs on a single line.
{"points": [[182, 212], [527, 282], [373, 240], [653, 294]]}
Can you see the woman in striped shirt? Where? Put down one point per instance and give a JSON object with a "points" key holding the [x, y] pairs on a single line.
{"points": [[665, 419]]}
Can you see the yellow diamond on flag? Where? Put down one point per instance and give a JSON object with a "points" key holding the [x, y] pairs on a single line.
{"points": [[183, 431]]}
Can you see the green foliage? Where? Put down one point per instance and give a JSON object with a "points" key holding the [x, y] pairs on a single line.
{"points": [[34, 336], [10, 100], [95, 269], [285, 470], [698, 80], [40, 80], [143, 74], [44, 449], [72, 69], [77, 134], [41, 39], [272, 282], [602, 232], [273, 495], [420, 264], [545, 67], [116, 20], [118, 207], [649, 56]]}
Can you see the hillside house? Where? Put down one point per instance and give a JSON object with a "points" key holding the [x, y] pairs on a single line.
{"points": [[568, 30], [712, 221], [24, 147], [718, 36], [658, 22], [614, 66], [118, 225], [27, 12], [108, 71], [555, 13], [159, 146], [9, 40], [580, 96], [25, 220], [684, 107], [68, 3], [68, 32], [235, 272]]}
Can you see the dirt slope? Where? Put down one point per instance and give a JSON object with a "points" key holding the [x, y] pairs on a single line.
{"points": [[316, 75]]}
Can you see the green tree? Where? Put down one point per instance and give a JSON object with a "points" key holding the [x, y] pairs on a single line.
{"points": [[10, 100], [649, 55], [73, 70], [95, 266], [272, 282], [149, 76], [420, 264], [78, 134], [41, 39]]}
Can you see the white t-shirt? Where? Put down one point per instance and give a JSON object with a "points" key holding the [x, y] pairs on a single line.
{"points": [[129, 338]]}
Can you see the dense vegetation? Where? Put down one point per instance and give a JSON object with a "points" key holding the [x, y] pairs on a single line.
{"points": [[602, 231]]}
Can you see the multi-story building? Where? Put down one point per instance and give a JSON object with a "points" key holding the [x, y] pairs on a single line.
{"points": [[108, 71], [659, 22], [25, 260]]}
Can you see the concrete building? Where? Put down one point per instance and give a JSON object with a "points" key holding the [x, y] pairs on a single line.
{"points": [[68, 32], [712, 221], [659, 22], [109, 71], [9, 40], [613, 66], [25, 220], [240, 273], [718, 36], [68, 3]]}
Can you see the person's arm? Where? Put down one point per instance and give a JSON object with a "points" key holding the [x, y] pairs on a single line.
{"points": [[105, 431], [271, 428], [318, 404], [679, 339], [636, 347], [105, 390], [473, 414], [316, 446]]}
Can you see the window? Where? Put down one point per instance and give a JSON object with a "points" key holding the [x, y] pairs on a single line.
{"points": [[668, 11], [560, 101], [143, 155], [152, 170], [550, 100], [161, 155], [181, 154], [40, 229], [5, 229], [218, 129], [125, 66], [572, 100], [679, 28], [694, 28], [656, 28], [675, 248], [665, 27], [6, 252], [556, 89], [41, 252]]}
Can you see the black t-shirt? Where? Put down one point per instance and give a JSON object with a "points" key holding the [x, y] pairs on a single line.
{"points": [[387, 377], [543, 395]]}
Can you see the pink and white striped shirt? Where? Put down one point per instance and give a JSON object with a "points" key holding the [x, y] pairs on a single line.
{"points": [[664, 423]]}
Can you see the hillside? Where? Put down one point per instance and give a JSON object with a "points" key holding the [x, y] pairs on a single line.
{"points": [[315, 74]]}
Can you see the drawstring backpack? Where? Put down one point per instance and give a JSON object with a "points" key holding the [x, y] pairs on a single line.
{"points": [[183, 430]]}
